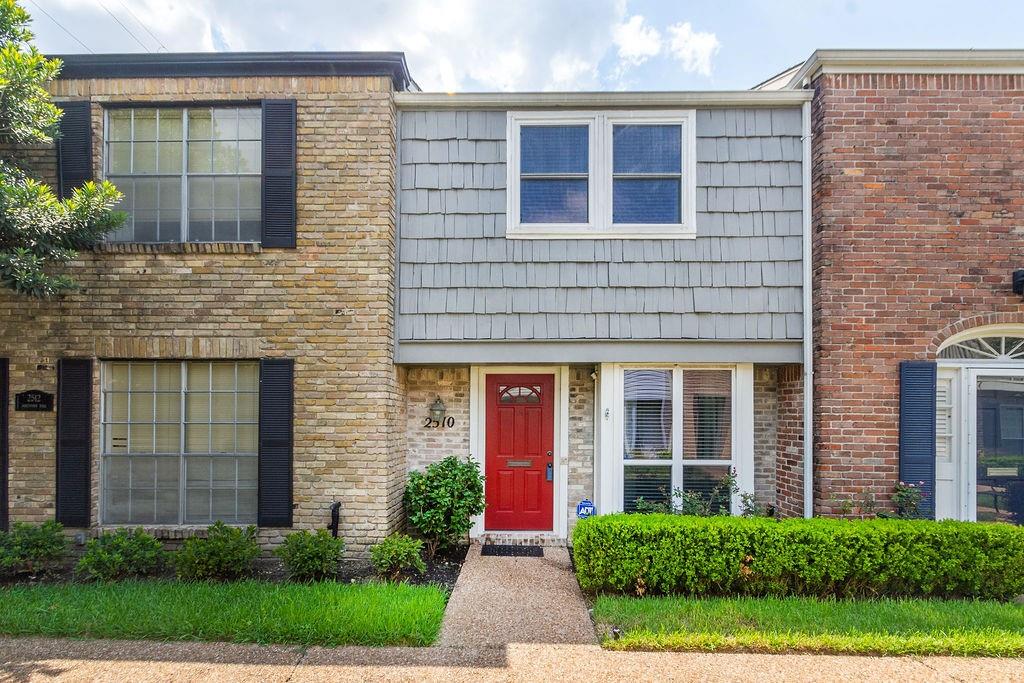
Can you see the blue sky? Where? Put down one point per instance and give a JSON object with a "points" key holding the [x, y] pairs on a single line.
{"points": [[468, 45]]}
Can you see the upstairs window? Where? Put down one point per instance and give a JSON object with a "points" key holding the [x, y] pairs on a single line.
{"points": [[601, 175], [187, 174]]}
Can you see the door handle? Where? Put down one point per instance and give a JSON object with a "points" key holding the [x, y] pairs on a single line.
{"points": [[549, 454], [550, 472]]}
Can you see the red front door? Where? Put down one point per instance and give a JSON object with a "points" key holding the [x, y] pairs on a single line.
{"points": [[520, 446]]}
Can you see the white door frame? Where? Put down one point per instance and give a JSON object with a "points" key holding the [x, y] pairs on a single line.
{"points": [[969, 460], [478, 440]]}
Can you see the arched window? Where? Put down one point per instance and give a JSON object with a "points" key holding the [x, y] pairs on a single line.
{"points": [[985, 343]]}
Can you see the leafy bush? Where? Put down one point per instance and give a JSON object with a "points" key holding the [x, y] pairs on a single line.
{"points": [[31, 549], [441, 502], [121, 554], [310, 556], [227, 553], [396, 555], [671, 554]]}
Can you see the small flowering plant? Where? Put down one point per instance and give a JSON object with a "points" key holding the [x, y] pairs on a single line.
{"points": [[907, 497]]}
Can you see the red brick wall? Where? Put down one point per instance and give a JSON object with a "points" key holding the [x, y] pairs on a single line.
{"points": [[918, 223], [789, 474]]}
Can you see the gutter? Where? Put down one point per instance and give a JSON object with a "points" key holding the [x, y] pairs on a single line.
{"points": [[567, 100], [808, 322]]}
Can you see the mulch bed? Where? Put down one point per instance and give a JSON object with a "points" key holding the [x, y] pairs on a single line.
{"points": [[442, 571]]}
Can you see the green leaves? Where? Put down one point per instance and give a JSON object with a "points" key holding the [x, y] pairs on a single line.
{"points": [[441, 502], [31, 549], [121, 554], [226, 554], [38, 230], [310, 556], [672, 554], [398, 554]]}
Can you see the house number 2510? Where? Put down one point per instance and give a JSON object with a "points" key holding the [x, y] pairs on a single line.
{"points": [[438, 424]]}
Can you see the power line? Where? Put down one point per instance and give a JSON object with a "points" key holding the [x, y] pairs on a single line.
{"points": [[50, 17], [126, 29], [140, 23]]}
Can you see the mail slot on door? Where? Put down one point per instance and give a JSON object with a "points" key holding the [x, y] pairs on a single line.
{"points": [[518, 463]]}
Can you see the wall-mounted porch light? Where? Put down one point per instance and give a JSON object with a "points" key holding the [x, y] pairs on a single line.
{"points": [[437, 410]]}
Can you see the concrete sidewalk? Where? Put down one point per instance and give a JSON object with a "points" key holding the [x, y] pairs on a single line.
{"points": [[32, 660]]}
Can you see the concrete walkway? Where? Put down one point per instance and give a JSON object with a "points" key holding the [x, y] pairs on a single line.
{"points": [[503, 600]]}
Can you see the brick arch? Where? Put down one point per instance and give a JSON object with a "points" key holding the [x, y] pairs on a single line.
{"points": [[975, 321]]}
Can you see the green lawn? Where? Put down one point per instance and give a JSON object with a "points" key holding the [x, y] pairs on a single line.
{"points": [[888, 627], [244, 612]]}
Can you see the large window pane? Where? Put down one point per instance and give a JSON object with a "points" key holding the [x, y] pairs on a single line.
{"points": [[553, 201], [647, 418], [223, 142], [554, 150], [1000, 450], [647, 149], [646, 200], [147, 439], [653, 483], [707, 414], [711, 483]]}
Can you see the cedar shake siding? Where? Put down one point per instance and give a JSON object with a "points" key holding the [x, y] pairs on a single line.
{"points": [[460, 279]]}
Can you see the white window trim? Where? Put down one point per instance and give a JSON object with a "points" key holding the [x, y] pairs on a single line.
{"points": [[599, 186], [610, 470]]}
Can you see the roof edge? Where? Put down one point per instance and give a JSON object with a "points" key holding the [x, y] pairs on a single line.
{"points": [[216, 64], [562, 100], [909, 61]]}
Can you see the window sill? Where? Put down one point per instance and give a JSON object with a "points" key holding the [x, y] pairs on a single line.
{"points": [[549, 234], [178, 248]]}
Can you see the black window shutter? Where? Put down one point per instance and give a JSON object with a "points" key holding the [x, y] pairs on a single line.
{"points": [[279, 173], [917, 430], [277, 377], [74, 440], [74, 147], [4, 444]]}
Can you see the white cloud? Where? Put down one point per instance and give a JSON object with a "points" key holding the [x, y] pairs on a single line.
{"points": [[694, 49], [636, 41], [449, 44]]}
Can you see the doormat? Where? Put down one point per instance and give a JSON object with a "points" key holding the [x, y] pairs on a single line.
{"points": [[494, 550]]}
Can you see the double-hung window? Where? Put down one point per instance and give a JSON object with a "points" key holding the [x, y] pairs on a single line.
{"points": [[179, 442], [612, 174], [677, 436], [188, 174]]}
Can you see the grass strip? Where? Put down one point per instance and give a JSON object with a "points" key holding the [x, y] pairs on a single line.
{"points": [[327, 613], [878, 627]]}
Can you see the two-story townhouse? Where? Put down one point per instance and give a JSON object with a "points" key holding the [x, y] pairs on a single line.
{"points": [[600, 297], [918, 177], [230, 353]]}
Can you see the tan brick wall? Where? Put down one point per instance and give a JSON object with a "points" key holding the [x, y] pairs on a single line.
{"points": [[918, 200], [581, 438], [425, 444], [328, 304]]}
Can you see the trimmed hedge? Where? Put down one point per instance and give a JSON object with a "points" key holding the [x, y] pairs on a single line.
{"points": [[672, 554]]}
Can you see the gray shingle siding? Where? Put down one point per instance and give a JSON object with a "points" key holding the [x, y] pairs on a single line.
{"points": [[460, 279]]}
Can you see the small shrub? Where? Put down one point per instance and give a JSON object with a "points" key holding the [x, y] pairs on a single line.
{"points": [[441, 501], [31, 549], [310, 556], [907, 498], [122, 554], [227, 553], [670, 554], [396, 555]]}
